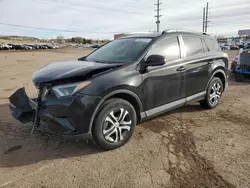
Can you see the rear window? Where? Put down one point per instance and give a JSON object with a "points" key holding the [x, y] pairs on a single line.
{"points": [[193, 45]]}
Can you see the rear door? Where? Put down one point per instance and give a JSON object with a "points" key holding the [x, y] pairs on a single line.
{"points": [[196, 64]]}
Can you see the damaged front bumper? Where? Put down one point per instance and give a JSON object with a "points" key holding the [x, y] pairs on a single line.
{"points": [[70, 117], [20, 106]]}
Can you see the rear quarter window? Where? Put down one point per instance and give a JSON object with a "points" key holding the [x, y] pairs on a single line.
{"points": [[212, 44]]}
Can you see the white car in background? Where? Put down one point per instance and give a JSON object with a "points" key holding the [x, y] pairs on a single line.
{"points": [[226, 46]]}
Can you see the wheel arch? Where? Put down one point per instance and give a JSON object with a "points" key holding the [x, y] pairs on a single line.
{"points": [[220, 73], [127, 95]]}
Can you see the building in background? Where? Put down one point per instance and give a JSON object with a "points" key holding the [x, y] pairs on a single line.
{"points": [[245, 36], [244, 33]]}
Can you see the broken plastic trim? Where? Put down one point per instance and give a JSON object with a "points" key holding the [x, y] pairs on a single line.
{"points": [[28, 110], [37, 118], [20, 107]]}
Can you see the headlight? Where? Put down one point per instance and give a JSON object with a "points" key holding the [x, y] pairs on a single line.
{"points": [[69, 89]]}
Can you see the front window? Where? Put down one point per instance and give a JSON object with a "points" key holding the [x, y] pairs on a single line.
{"points": [[168, 47], [120, 50]]}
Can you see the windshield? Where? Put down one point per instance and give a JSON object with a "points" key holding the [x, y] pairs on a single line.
{"points": [[120, 50]]}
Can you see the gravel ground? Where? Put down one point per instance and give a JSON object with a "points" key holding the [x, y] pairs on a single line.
{"points": [[189, 147]]}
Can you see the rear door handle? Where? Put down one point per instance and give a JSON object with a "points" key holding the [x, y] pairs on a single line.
{"points": [[181, 69]]}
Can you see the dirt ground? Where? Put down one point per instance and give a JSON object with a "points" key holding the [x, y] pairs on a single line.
{"points": [[189, 147]]}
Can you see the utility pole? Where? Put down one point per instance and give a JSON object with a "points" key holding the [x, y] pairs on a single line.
{"points": [[203, 20], [158, 15], [206, 25]]}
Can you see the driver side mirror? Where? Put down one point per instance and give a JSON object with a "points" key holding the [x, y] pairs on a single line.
{"points": [[155, 60]]}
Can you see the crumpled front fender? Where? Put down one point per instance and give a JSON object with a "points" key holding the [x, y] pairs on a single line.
{"points": [[20, 107]]}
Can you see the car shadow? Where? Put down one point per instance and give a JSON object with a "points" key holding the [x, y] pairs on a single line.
{"points": [[19, 148], [232, 81], [190, 108]]}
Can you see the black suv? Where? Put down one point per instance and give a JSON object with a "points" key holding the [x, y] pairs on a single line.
{"points": [[105, 94]]}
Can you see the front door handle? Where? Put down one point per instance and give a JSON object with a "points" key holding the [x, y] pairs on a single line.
{"points": [[181, 69]]}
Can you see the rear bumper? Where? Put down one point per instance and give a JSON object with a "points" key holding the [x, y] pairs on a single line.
{"points": [[70, 116], [242, 71]]}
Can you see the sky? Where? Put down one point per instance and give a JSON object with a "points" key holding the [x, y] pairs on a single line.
{"points": [[101, 19]]}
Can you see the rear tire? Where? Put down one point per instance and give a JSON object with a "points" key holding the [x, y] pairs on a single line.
{"points": [[214, 93], [114, 124]]}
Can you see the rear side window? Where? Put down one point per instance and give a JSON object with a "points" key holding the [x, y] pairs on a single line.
{"points": [[193, 45], [167, 47], [210, 43]]}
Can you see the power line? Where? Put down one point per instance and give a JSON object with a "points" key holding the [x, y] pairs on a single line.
{"points": [[118, 2], [93, 7], [62, 30], [121, 3], [158, 15], [49, 29], [77, 9]]}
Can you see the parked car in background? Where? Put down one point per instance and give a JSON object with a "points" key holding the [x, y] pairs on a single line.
{"points": [[225, 47], [5, 47], [241, 46], [17, 47], [233, 47], [247, 45], [29, 46], [104, 95], [95, 46]]}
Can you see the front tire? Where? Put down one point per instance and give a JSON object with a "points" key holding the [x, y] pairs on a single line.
{"points": [[114, 124], [214, 93]]}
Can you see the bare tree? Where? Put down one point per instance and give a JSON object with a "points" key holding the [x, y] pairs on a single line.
{"points": [[60, 39]]}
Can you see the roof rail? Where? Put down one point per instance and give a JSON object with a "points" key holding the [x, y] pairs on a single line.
{"points": [[138, 33], [181, 30]]}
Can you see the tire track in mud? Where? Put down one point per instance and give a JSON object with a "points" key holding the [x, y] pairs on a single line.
{"points": [[186, 167], [234, 118]]}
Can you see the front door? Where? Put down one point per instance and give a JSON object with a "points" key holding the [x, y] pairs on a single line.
{"points": [[163, 85]]}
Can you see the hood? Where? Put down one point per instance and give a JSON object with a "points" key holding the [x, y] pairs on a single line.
{"points": [[67, 69]]}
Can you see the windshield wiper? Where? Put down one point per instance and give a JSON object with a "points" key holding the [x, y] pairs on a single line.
{"points": [[91, 60]]}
